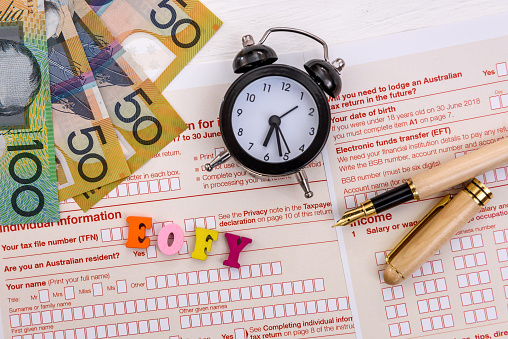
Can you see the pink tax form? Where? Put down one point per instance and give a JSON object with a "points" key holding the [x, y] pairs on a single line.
{"points": [[396, 118], [299, 278]]}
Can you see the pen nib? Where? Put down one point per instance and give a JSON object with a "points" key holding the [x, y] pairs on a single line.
{"points": [[366, 209]]}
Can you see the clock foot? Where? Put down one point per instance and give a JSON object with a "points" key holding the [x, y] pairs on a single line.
{"points": [[219, 159], [301, 177]]}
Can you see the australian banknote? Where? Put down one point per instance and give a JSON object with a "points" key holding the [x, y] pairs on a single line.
{"points": [[27, 160], [182, 26], [143, 119], [87, 149]]}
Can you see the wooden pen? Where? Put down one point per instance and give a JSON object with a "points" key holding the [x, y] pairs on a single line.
{"points": [[430, 182], [434, 230]]}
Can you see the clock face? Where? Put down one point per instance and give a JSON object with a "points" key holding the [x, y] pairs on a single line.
{"points": [[274, 120]]}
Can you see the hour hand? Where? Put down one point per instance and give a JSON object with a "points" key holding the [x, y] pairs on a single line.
{"points": [[270, 132]]}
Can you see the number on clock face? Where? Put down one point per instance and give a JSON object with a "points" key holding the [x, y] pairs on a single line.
{"points": [[274, 119]]}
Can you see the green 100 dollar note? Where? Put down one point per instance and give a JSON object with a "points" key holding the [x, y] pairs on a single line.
{"points": [[88, 152], [142, 117], [27, 161]]}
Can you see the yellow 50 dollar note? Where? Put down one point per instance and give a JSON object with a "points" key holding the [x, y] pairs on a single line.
{"points": [[143, 119], [183, 26], [87, 149]]}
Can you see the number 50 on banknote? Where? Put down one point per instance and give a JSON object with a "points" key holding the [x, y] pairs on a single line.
{"points": [[183, 26]]}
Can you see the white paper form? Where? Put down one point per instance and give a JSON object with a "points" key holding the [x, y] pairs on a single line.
{"points": [[76, 279], [398, 117]]}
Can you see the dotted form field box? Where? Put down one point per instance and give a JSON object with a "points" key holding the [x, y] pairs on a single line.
{"points": [[203, 222], [214, 275], [430, 286], [504, 273], [396, 311], [466, 243], [264, 312], [428, 268], [399, 329], [380, 257], [501, 236], [247, 293], [145, 187], [477, 297], [470, 260], [480, 315], [182, 300], [353, 201], [122, 233], [393, 293], [473, 279], [498, 101], [433, 304], [502, 254], [105, 331], [502, 69], [437, 322], [496, 175]]}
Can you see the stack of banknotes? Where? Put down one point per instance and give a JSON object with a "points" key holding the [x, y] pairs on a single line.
{"points": [[77, 114]]}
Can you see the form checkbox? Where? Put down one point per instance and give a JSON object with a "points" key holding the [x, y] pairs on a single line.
{"points": [[216, 318], [290, 310], [164, 184], [44, 296], [161, 281], [121, 286], [258, 313], [88, 312], [122, 329], [311, 307], [106, 235], [343, 303], [97, 289], [150, 283], [98, 310], [235, 294], [151, 252], [133, 327], [116, 233], [15, 320], [107, 310], [502, 69], [495, 102], [69, 292], [164, 324], [120, 307]]}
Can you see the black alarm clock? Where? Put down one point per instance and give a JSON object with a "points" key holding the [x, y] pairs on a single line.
{"points": [[275, 118]]}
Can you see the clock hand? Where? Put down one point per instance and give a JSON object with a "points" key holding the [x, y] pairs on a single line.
{"points": [[277, 131], [291, 110], [274, 121], [283, 139], [270, 131]]}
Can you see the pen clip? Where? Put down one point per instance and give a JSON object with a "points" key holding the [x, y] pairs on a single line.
{"points": [[432, 213]]}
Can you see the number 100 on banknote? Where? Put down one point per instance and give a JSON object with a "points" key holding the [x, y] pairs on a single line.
{"points": [[27, 159]]}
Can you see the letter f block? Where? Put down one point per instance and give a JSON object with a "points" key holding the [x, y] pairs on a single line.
{"points": [[204, 239]]}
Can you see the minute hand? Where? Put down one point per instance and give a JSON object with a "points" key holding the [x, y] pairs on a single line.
{"points": [[291, 110]]}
